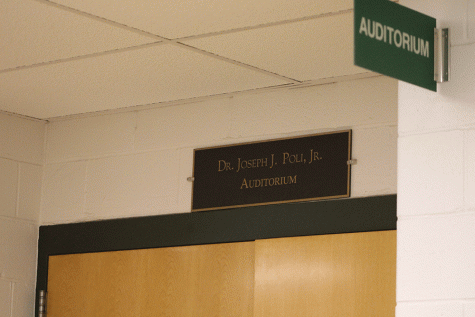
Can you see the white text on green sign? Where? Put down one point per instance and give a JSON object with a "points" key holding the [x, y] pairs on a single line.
{"points": [[396, 37]]}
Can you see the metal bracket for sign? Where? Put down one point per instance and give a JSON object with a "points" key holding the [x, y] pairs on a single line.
{"points": [[441, 55]]}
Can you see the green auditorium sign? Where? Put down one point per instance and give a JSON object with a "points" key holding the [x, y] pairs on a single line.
{"points": [[395, 41]]}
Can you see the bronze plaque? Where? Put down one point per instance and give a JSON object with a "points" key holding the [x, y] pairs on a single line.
{"points": [[304, 168]]}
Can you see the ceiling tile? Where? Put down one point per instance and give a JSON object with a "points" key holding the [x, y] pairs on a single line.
{"points": [[137, 77], [35, 32], [306, 50], [180, 18]]}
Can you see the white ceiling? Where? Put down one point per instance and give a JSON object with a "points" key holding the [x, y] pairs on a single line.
{"points": [[67, 57]]}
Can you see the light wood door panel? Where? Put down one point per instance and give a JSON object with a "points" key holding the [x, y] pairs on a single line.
{"points": [[328, 276], [82, 284], [206, 280]]}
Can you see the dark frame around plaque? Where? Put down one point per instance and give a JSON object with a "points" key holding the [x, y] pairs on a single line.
{"points": [[297, 169]]}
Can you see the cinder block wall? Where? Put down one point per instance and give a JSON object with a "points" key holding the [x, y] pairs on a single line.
{"points": [[436, 179], [21, 161], [137, 163]]}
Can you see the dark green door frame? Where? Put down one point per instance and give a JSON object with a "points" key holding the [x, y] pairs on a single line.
{"points": [[220, 226]]}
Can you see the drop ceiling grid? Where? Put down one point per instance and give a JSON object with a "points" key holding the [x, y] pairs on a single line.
{"points": [[306, 50], [91, 56], [33, 32], [175, 19], [150, 75]]}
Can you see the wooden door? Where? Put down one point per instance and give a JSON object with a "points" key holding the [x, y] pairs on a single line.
{"points": [[326, 275], [206, 280]]}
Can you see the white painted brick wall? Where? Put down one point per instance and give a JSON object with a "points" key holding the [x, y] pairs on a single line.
{"points": [[345, 104], [21, 160], [90, 137], [143, 184], [17, 266], [469, 171], [5, 298], [449, 13], [434, 163], [471, 21], [376, 151], [469, 309], [29, 191], [64, 187], [21, 139], [439, 309], [23, 299], [185, 125], [436, 179], [8, 187], [436, 257], [18, 251], [136, 164]]}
